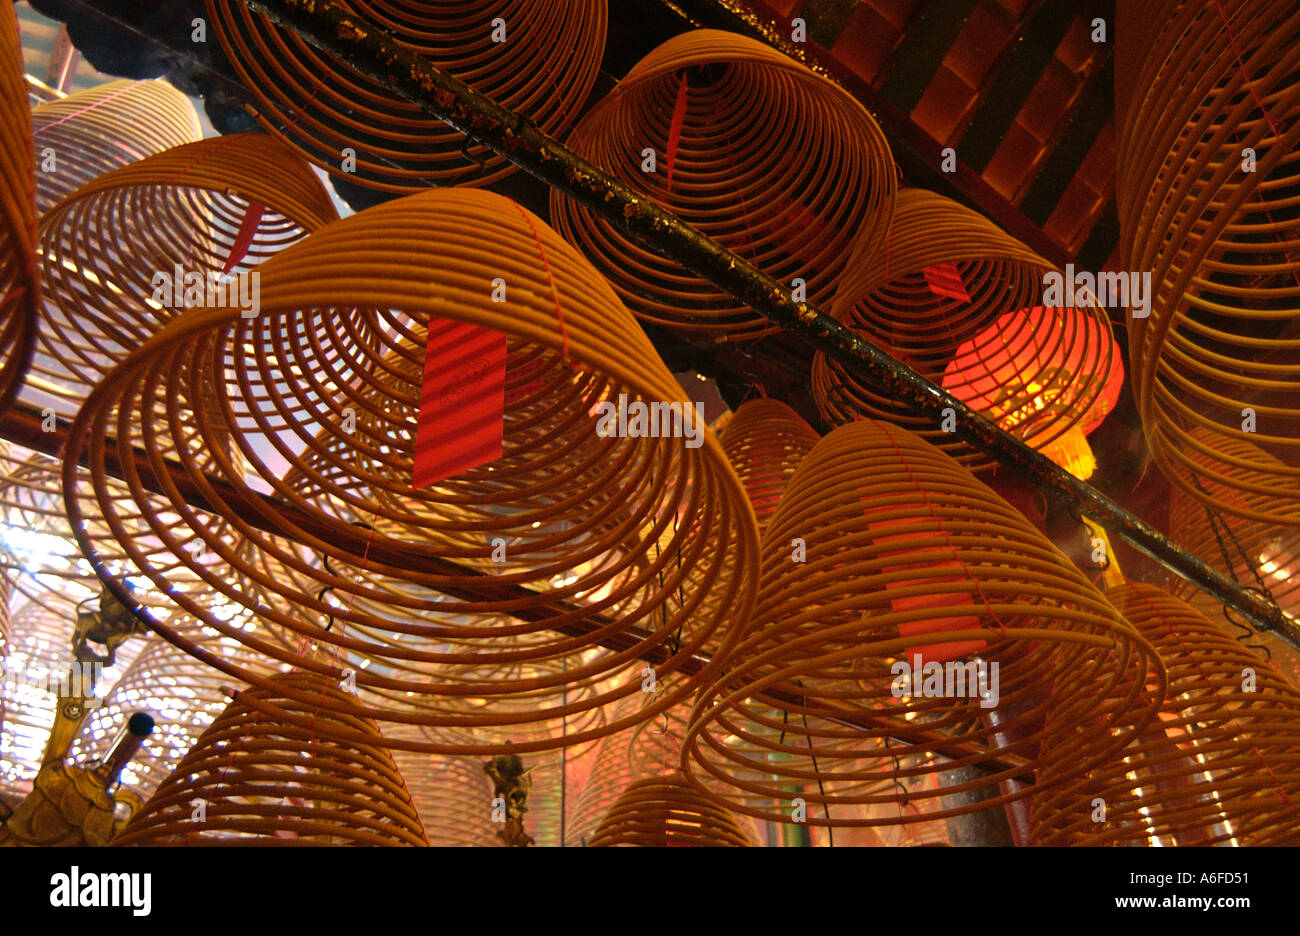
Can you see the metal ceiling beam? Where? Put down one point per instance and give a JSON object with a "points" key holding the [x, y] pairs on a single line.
{"points": [[372, 52]]}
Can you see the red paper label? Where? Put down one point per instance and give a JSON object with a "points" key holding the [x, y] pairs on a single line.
{"points": [[939, 652], [462, 401], [944, 279]]}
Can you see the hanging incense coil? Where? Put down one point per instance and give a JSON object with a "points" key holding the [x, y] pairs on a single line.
{"points": [[962, 303], [770, 160], [19, 276], [542, 64], [183, 695], [266, 782], [1209, 156], [1257, 555], [908, 559], [453, 797], [84, 135], [665, 812], [617, 548], [765, 441], [179, 221], [1220, 765]]}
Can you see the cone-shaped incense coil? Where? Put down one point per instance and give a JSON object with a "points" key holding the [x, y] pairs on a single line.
{"points": [[252, 779], [1209, 161], [19, 276], [768, 158], [1214, 521], [84, 135], [963, 304], [916, 617], [187, 227], [585, 547], [665, 812], [538, 58], [1219, 767], [766, 441]]}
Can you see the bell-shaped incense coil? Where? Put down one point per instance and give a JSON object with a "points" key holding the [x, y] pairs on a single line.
{"points": [[453, 797], [1212, 522], [538, 58], [922, 625], [759, 153], [252, 779], [183, 695], [84, 135], [667, 812], [188, 227], [1220, 765], [965, 305], [589, 544], [38, 664], [766, 441], [1209, 157], [19, 275]]}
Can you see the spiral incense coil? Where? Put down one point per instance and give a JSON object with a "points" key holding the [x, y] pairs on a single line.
{"points": [[1209, 154], [617, 548], [265, 782], [84, 135], [37, 664], [183, 695], [906, 566], [19, 276], [542, 64], [666, 812], [769, 159], [179, 220], [453, 797], [1220, 767], [1045, 374], [765, 441]]}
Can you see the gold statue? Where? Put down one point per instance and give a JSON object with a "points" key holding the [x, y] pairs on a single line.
{"points": [[511, 783], [71, 804]]}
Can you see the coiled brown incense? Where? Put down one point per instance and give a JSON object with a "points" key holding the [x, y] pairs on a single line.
{"points": [[1209, 160], [1219, 767], [1048, 375], [253, 780], [903, 557], [769, 159], [186, 223], [538, 58], [560, 564]]}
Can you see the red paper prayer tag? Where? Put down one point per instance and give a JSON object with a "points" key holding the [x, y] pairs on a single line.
{"points": [[244, 238], [675, 128], [462, 401], [940, 652], [944, 279]]}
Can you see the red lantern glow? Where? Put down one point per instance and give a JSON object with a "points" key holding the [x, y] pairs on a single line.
{"points": [[1076, 378]]}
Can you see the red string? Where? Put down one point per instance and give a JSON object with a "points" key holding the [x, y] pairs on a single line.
{"points": [[88, 107], [541, 251]]}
